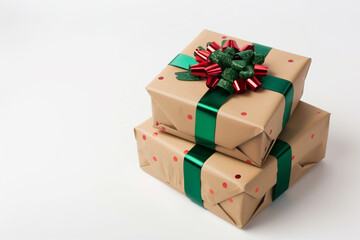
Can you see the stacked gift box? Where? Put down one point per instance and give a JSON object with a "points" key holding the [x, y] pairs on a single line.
{"points": [[228, 128]]}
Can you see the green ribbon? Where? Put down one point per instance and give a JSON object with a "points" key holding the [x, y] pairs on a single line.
{"points": [[183, 61], [206, 115], [262, 49], [193, 162], [284, 87], [197, 156], [276, 84], [282, 152]]}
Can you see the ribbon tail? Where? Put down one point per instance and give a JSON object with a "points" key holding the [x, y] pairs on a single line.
{"points": [[183, 61]]}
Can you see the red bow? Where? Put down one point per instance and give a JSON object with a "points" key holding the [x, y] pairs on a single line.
{"points": [[212, 71]]}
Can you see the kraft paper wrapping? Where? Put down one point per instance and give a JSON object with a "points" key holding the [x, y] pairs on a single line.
{"points": [[234, 190], [247, 124]]}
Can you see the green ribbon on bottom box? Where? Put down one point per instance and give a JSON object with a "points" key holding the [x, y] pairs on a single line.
{"points": [[197, 156]]}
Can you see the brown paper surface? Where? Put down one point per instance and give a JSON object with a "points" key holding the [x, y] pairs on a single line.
{"points": [[246, 137], [162, 155]]}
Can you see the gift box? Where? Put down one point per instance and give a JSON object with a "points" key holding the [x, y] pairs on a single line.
{"points": [[234, 190], [232, 95]]}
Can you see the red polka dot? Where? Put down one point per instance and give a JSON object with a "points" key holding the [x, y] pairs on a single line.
{"points": [[161, 78], [154, 158], [270, 131], [318, 112], [257, 189], [189, 116], [186, 151], [224, 185], [249, 161], [237, 176], [144, 137], [244, 113], [175, 158], [223, 37], [230, 200], [163, 128], [167, 182], [290, 60], [211, 191], [180, 182], [155, 134], [265, 149], [312, 136], [157, 123], [292, 158]]}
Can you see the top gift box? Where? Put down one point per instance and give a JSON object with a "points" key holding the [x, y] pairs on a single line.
{"points": [[228, 94]]}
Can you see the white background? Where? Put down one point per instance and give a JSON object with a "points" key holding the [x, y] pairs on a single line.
{"points": [[72, 79]]}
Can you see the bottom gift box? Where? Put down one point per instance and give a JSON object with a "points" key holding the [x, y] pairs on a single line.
{"points": [[234, 190]]}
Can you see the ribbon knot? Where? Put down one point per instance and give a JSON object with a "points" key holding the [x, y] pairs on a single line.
{"points": [[228, 66]]}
